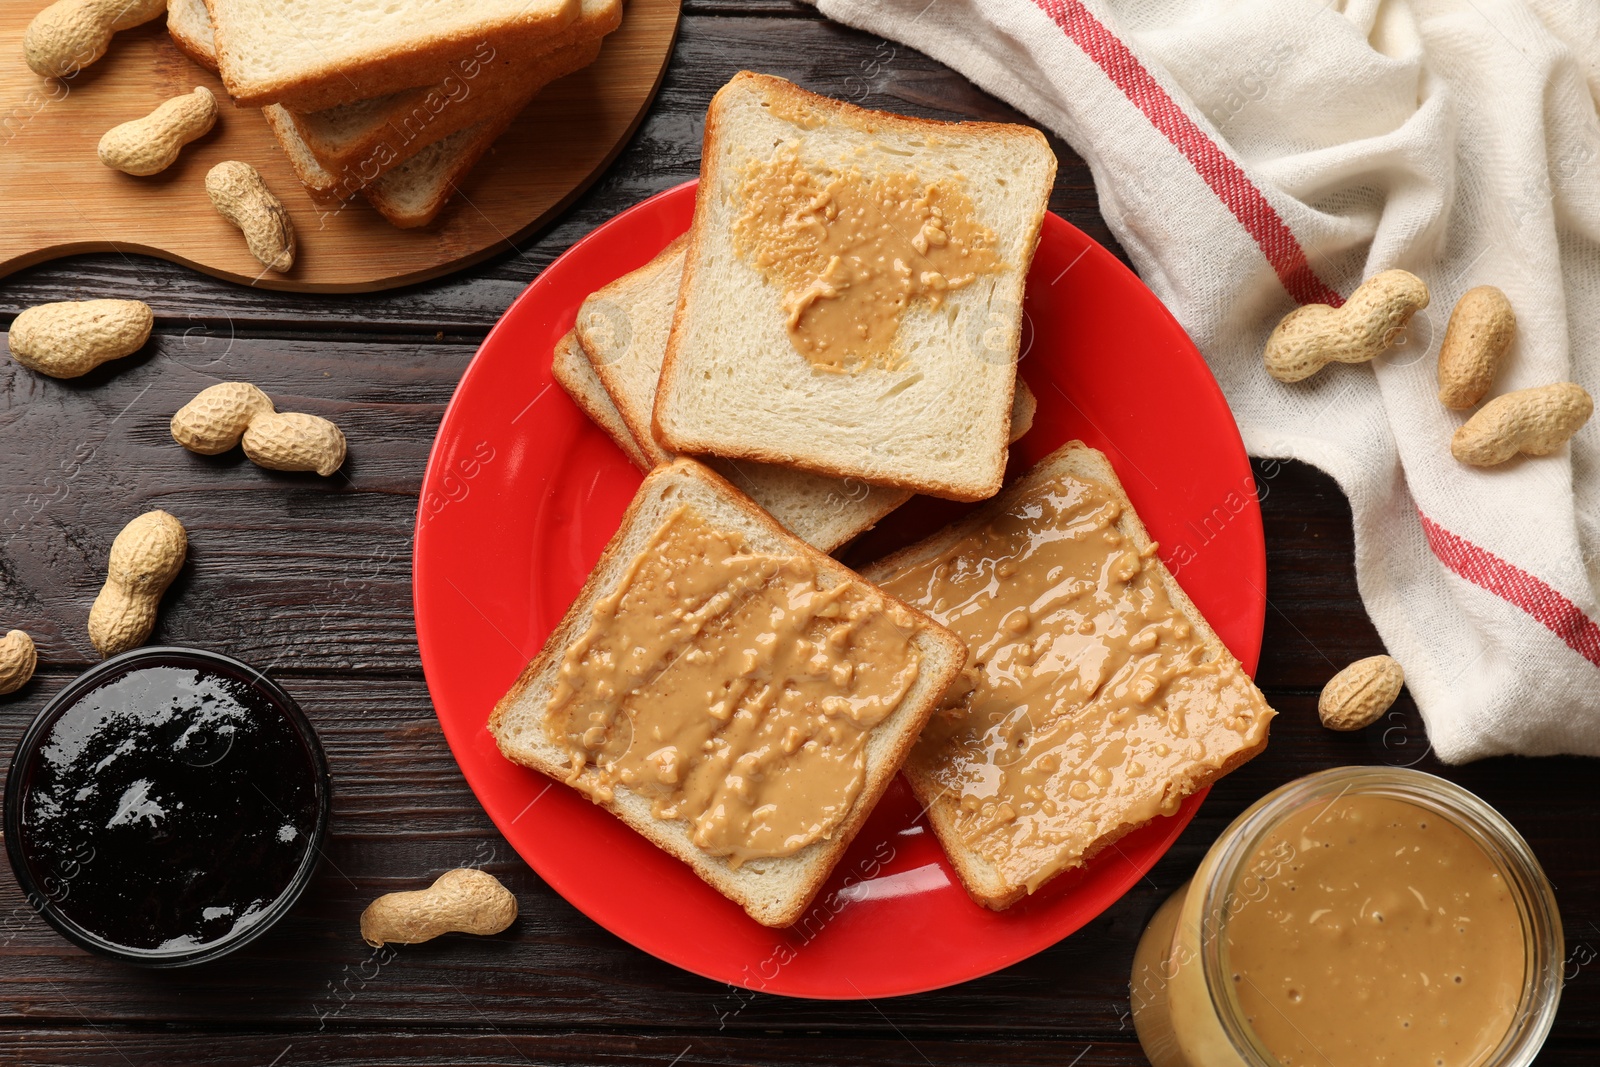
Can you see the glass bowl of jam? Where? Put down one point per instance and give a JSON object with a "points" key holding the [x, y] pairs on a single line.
{"points": [[167, 807]]}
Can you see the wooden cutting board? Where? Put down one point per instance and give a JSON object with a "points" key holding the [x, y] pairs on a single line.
{"points": [[56, 198]]}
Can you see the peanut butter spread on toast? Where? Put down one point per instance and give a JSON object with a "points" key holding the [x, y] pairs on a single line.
{"points": [[853, 254], [732, 690], [1088, 704]]}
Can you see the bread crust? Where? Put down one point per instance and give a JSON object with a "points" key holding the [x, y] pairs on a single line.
{"points": [[571, 370], [199, 49], [867, 122], [621, 291], [380, 147], [469, 147], [943, 656], [977, 875], [385, 199], [316, 180], [475, 141]]}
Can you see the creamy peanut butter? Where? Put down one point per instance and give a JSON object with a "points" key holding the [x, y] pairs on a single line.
{"points": [[1388, 937], [853, 253], [1087, 704], [732, 690]]}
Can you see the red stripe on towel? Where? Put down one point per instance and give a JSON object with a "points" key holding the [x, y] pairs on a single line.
{"points": [[1516, 587], [1482, 568], [1249, 206]]}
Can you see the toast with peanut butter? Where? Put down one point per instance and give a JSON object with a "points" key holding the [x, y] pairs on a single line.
{"points": [[852, 295], [737, 697], [623, 328], [1095, 696]]}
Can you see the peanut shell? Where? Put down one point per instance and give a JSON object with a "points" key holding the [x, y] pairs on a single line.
{"points": [[1358, 696], [1481, 328], [465, 900], [145, 557], [1311, 337], [151, 144], [18, 658], [292, 441], [241, 196], [70, 338], [1532, 422], [215, 420], [71, 34]]}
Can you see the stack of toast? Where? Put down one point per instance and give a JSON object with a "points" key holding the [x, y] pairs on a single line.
{"points": [[610, 364], [395, 103], [837, 332]]}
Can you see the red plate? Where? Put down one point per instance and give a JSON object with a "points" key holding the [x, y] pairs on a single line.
{"points": [[522, 494]]}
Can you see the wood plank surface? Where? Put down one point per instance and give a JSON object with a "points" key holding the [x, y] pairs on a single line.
{"points": [[402, 814], [60, 199], [335, 553], [310, 577], [510, 1048]]}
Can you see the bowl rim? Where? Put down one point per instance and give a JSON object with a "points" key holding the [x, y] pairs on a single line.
{"points": [[21, 765]]}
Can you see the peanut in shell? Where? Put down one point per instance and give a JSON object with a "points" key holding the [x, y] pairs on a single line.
{"points": [[1529, 422], [1358, 696]]}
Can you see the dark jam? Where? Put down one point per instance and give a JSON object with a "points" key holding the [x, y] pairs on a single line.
{"points": [[167, 808]]}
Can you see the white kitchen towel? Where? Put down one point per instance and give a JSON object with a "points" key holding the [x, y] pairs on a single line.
{"points": [[1255, 154]]}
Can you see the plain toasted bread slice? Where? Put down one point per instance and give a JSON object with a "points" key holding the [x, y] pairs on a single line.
{"points": [[774, 891], [312, 174], [310, 56], [189, 23], [414, 193], [338, 150], [365, 124], [571, 370], [361, 140], [447, 164], [1024, 406], [733, 383], [983, 880], [624, 329]]}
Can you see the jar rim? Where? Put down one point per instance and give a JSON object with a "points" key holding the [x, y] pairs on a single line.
{"points": [[1535, 897]]}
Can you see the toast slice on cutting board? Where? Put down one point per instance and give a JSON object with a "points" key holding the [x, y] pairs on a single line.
{"points": [[311, 56], [339, 150], [361, 140]]}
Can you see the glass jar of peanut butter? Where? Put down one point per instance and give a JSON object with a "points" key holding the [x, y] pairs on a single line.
{"points": [[1361, 915]]}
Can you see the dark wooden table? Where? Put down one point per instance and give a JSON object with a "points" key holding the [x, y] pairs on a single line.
{"points": [[313, 578]]}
